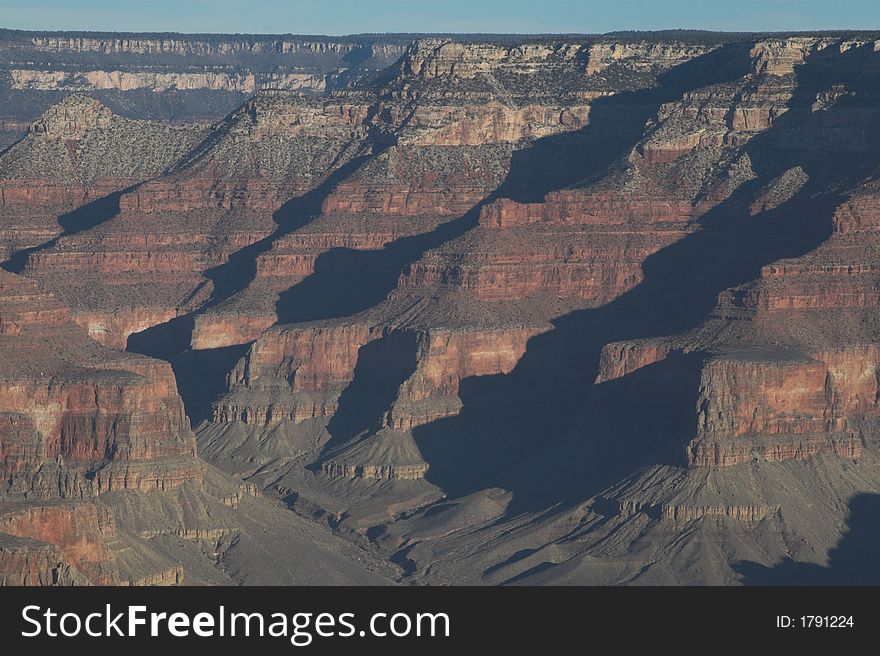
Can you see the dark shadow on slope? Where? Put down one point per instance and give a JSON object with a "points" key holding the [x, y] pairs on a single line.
{"points": [[382, 367], [171, 340], [532, 571], [200, 374], [855, 560], [616, 124], [347, 281], [83, 218], [201, 377], [659, 403], [163, 340], [522, 554], [526, 431], [240, 269]]}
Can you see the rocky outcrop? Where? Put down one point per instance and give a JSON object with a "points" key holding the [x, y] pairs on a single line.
{"points": [[299, 374], [709, 453], [619, 359], [754, 405], [78, 532], [432, 59], [640, 56], [25, 561], [443, 359], [220, 329], [743, 513], [859, 214], [78, 153], [780, 56], [754, 395], [113, 328], [79, 420], [385, 455], [296, 374], [72, 118]]}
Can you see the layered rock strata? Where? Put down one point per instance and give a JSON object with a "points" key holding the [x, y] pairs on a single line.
{"points": [[548, 307]]}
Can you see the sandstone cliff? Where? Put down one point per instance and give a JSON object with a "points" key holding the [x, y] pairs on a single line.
{"points": [[98, 463]]}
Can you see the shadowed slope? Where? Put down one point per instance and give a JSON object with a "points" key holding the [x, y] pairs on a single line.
{"points": [[528, 446], [347, 281], [853, 562], [79, 220]]}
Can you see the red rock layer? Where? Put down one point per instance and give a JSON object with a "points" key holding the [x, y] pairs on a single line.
{"points": [[78, 532], [112, 328], [76, 153], [294, 373], [579, 208], [751, 405], [619, 359], [841, 274], [24, 193], [444, 358], [30, 562], [78, 419], [594, 265]]}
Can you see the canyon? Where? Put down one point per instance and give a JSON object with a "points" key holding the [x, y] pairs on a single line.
{"points": [[436, 310]]}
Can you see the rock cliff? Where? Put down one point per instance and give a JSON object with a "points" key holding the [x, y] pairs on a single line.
{"points": [[175, 77]]}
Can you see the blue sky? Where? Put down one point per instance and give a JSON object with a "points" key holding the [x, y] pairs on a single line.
{"points": [[353, 16]]}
